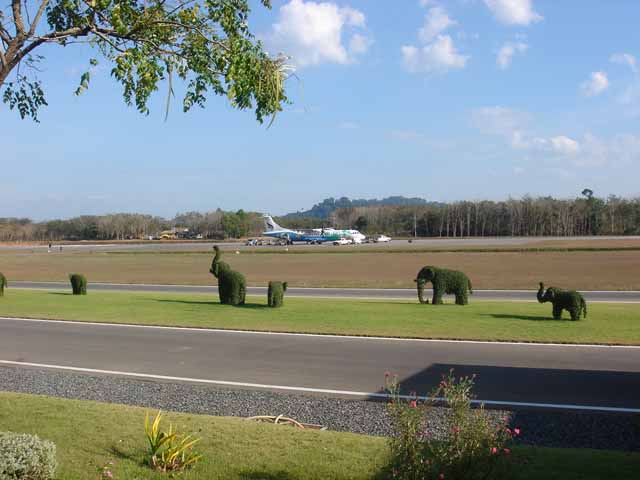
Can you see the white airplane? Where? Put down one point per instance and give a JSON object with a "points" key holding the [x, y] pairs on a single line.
{"points": [[315, 235], [353, 235]]}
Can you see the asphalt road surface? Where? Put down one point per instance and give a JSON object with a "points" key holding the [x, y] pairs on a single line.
{"points": [[558, 376], [381, 293], [421, 243]]}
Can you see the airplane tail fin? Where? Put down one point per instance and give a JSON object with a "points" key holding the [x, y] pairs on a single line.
{"points": [[269, 224]]}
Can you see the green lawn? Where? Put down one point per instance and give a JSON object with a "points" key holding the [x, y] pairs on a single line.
{"points": [[606, 323], [90, 434]]}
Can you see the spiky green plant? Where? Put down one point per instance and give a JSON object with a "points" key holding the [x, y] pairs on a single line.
{"points": [[169, 451]]}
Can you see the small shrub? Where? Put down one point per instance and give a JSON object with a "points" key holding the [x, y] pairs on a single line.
{"points": [[473, 446], [169, 451], [78, 284], [275, 294], [3, 284], [26, 457]]}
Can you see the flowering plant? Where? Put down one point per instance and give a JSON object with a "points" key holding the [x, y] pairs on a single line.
{"points": [[472, 446]]}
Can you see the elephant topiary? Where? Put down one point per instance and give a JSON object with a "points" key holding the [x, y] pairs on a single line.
{"points": [[569, 300], [3, 284], [443, 281], [232, 286], [78, 284], [275, 295]]}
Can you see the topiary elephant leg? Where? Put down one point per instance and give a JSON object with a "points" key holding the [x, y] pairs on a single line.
{"points": [[557, 312], [575, 313], [437, 297], [461, 298]]}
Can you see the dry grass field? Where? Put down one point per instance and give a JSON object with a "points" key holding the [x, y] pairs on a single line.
{"points": [[587, 270]]}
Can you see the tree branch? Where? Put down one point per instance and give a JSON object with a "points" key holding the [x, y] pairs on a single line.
{"points": [[17, 18], [36, 19]]}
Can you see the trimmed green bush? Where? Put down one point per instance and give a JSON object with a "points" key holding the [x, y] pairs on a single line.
{"points": [[26, 457], [450, 282], [78, 284], [232, 286], [569, 300], [275, 295], [3, 284]]}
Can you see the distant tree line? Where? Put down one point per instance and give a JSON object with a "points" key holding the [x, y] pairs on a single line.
{"points": [[542, 216], [528, 216], [216, 224]]}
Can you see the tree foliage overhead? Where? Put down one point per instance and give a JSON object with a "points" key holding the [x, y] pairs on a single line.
{"points": [[205, 43]]}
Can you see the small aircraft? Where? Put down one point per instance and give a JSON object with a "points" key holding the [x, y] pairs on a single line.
{"points": [[313, 236]]}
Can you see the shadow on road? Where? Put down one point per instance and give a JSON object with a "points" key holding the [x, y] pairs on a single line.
{"points": [[552, 427], [534, 385]]}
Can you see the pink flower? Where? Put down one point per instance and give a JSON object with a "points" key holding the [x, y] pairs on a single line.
{"points": [[507, 451], [441, 476], [413, 404], [508, 430], [455, 429], [494, 451], [387, 374], [107, 474], [443, 383], [516, 431]]}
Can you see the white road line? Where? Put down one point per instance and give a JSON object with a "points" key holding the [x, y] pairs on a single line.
{"points": [[313, 390], [315, 335]]}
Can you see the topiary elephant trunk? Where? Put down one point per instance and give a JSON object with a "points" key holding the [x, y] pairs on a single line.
{"points": [[420, 282], [232, 286]]}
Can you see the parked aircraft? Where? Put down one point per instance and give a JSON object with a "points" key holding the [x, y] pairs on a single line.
{"points": [[315, 235]]}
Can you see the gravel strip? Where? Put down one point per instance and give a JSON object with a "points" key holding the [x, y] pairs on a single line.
{"points": [[551, 429]]}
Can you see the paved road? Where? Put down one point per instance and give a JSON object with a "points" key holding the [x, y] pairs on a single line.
{"points": [[404, 244], [603, 377], [381, 293]]}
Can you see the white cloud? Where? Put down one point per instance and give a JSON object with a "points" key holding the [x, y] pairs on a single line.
{"points": [[312, 33], [507, 51], [625, 59], [436, 21], [439, 56], [359, 44], [513, 126], [598, 82], [513, 12], [589, 151], [564, 145], [498, 120]]}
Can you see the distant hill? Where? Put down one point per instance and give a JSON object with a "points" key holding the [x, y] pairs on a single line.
{"points": [[328, 205]]}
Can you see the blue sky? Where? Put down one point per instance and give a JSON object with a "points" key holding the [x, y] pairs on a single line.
{"points": [[446, 100]]}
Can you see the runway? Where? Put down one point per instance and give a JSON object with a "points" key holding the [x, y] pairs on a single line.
{"points": [[376, 293], [403, 244], [529, 375]]}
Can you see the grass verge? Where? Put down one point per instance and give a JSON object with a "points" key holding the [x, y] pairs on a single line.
{"points": [[506, 321], [581, 270], [88, 435]]}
